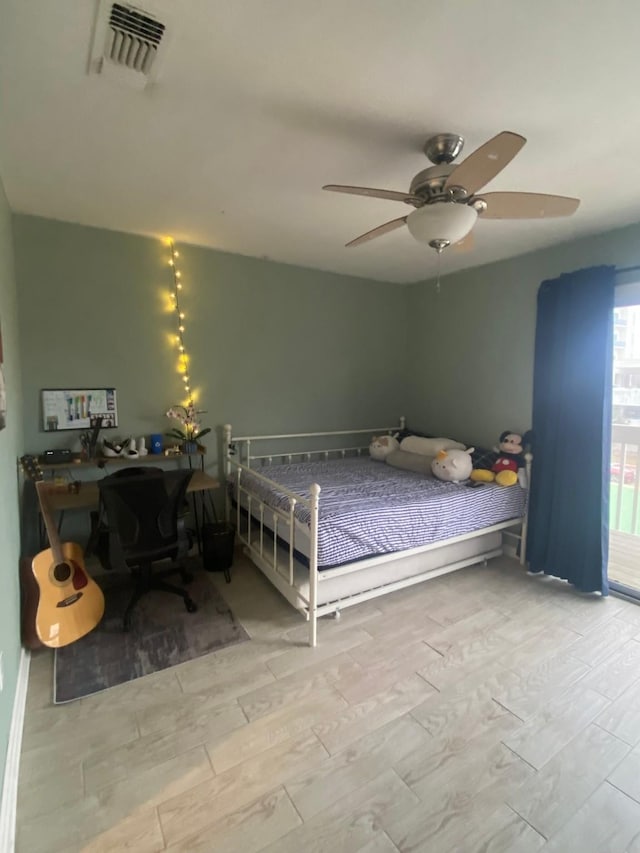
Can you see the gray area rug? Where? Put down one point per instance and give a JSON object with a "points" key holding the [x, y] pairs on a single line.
{"points": [[163, 634]]}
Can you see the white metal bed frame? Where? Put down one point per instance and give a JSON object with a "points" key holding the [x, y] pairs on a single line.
{"points": [[277, 561]]}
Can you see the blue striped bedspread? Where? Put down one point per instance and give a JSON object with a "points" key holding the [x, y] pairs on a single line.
{"points": [[369, 508]]}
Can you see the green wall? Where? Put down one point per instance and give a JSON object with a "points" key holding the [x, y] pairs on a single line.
{"points": [[273, 346], [10, 449], [470, 350], [281, 347]]}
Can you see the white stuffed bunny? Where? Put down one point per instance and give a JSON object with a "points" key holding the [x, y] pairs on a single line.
{"points": [[381, 446], [453, 466]]}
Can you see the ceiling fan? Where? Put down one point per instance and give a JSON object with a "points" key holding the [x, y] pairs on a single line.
{"points": [[446, 196]]}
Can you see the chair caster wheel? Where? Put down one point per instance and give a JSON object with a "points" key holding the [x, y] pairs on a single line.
{"points": [[190, 605]]}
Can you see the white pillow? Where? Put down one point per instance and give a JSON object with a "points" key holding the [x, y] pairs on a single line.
{"points": [[429, 446], [415, 462]]}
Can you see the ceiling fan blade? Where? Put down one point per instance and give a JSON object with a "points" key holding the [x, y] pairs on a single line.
{"points": [[373, 193], [527, 205], [485, 162], [466, 244], [378, 232]]}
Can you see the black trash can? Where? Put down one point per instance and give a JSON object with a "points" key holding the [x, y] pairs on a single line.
{"points": [[217, 547]]}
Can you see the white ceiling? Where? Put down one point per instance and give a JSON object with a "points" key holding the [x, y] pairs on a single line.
{"points": [[261, 102]]}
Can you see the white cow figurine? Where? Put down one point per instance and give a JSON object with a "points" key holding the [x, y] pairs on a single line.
{"points": [[453, 466]]}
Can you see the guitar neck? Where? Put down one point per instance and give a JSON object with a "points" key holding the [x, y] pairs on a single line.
{"points": [[52, 531]]}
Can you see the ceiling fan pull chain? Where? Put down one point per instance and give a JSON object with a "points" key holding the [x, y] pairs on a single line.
{"points": [[439, 268]]}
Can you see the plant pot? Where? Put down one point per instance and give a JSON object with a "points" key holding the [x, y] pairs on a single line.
{"points": [[189, 446]]}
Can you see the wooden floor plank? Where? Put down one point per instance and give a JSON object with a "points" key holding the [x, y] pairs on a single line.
{"points": [[292, 688], [462, 790], [501, 832], [281, 725], [354, 821], [246, 830], [617, 672], [626, 776], [363, 761], [545, 734], [557, 791], [341, 729], [608, 821], [195, 809], [622, 716]]}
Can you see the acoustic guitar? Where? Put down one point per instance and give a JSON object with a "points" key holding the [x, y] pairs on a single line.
{"points": [[29, 545], [70, 603]]}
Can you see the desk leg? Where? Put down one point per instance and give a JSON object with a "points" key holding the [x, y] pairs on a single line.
{"points": [[195, 513], [197, 520], [201, 512]]}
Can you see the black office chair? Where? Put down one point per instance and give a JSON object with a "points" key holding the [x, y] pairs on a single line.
{"points": [[143, 508]]}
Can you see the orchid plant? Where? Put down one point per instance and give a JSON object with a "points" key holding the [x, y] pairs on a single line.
{"points": [[188, 417]]}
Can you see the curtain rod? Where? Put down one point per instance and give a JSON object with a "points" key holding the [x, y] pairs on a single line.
{"points": [[628, 269]]}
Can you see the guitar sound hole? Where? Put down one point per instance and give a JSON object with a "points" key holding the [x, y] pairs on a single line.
{"points": [[62, 572]]}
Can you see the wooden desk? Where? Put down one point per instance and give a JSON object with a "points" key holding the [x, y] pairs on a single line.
{"points": [[76, 460], [88, 496]]}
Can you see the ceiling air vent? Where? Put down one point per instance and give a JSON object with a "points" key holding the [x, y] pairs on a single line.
{"points": [[128, 43], [133, 38]]}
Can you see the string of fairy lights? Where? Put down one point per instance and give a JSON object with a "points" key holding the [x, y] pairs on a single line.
{"points": [[183, 358]]}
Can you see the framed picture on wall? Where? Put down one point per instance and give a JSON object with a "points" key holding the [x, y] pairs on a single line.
{"points": [[78, 408]]}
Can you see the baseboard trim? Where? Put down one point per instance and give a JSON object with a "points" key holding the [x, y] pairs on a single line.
{"points": [[12, 766]]}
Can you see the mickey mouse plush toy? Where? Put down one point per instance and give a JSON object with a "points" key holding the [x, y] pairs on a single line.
{"points": [[510, 459]]}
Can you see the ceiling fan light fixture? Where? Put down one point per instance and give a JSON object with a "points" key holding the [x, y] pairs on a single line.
{"points": [[445, 195], [444, 222]]}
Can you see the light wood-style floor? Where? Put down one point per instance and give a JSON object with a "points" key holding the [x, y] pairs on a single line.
{"points": [[482, 711]]}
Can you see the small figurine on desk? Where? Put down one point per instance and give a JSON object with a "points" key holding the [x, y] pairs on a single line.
{"points": [[109, 449], [142, 448], [131, 452]]}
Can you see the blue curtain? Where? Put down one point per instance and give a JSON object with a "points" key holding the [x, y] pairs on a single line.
{"points": [[569, 499]]}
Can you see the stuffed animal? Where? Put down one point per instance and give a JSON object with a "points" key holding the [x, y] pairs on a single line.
{"points": [[428, 446], [381, 446], [510, 460], [453, 466]]}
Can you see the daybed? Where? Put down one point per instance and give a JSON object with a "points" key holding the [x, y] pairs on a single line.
{"points": [[330, 527]]}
